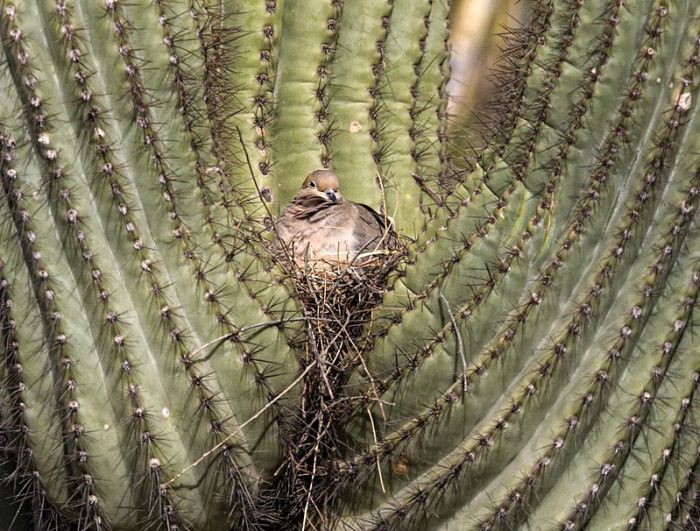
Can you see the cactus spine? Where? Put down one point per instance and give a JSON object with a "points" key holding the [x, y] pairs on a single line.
{"points": [[532, 362]]}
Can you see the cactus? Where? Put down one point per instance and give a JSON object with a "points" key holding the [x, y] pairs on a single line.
{"points": [[531, 361]]}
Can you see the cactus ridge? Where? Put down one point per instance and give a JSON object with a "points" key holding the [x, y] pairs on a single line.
{"points": [[651, 506], [301, 97], [396, 94], [428, 112], [530, 363], [243, 40], [22, 387], [352, 102], [157, 298], [682, 505]]}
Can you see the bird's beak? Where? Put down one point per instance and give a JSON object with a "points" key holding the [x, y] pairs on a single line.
{"points": [[330, 194]]}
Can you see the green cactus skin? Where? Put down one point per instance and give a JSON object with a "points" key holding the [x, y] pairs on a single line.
{"points": [[430, 106], [485, 437], [300, 96], [357, 67], [163, 264], [533, 363], [240, 92]]}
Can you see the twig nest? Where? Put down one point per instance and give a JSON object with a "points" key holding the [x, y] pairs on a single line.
{"points": [[338, 297]]}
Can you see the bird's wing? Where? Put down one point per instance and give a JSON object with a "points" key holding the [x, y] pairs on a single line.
{"points": [[306, 207], [369, 215], [372, 228]]}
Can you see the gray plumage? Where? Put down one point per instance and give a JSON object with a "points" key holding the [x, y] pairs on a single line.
{"points": [[318, 224]]}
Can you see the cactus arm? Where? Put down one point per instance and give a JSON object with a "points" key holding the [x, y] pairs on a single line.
{"points": [[177, 325], [213, 275], [430, 106], [72, 372], [491, 183], [351, 106], [539, 290], [27, 384], [638, 373], [184, 63], [300, 90], [102, 192], [120, 338], [521, 51], [679, 326], [26, 416], [73, 222], [407, 29], [479, 277], [514, 410], [219, 213], [260, 288], [245, 44]]}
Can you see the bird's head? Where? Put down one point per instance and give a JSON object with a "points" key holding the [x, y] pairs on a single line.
{"points": [[322, 183]]}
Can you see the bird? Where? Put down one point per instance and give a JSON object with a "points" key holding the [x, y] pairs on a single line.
{"points": [[319, 224]]}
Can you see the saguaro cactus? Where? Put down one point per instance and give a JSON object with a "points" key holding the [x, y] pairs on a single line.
{"points": [[532, 362]]}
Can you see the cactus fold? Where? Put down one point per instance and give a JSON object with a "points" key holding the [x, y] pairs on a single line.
{"points": [[533, 361]]}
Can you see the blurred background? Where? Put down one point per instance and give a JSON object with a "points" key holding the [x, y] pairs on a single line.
{"points": [[479, 30]]}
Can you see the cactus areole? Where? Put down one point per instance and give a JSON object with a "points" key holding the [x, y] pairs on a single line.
{"points": [[526, 360]]}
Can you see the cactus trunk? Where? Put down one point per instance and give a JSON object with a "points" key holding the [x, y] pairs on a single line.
{"points": [[530, 363]]}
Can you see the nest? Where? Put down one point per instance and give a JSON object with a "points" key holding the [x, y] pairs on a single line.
{"points": [[338, 301]]}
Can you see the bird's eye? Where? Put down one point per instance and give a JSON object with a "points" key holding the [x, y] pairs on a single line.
{"points": [[312, 184]]}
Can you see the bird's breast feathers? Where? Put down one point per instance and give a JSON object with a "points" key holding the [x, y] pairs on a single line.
{"points": [[321, 229]]}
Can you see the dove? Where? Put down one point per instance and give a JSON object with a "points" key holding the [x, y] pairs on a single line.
{"points": [[319, 224]]}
